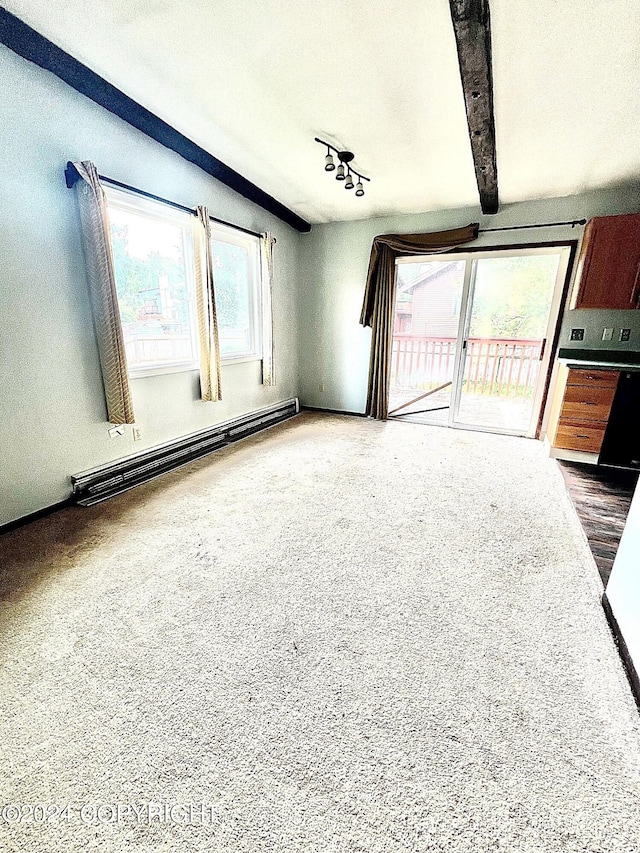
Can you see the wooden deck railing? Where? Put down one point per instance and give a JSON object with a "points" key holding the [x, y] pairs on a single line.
{"points": [[161, 348], [494, 366]]}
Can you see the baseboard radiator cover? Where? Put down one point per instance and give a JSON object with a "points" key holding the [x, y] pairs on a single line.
{"points": [[99, 484]]}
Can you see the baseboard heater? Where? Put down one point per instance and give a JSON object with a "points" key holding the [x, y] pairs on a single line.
{"points": [[92, 487]]}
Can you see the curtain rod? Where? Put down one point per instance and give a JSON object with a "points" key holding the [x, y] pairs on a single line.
{"points": [[72, 176], [571, 222], [175, 205]]}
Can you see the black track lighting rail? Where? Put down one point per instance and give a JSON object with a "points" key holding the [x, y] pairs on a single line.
{"points": [[344, 157]]}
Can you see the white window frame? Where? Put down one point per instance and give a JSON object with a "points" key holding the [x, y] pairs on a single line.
{"points": [[164, 213], [228, 234]]}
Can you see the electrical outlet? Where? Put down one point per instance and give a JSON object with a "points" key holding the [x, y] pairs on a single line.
{"points": [[577, 334], [607, 334], [625, 334], [321, 387], [137, 433], [115, 431]]}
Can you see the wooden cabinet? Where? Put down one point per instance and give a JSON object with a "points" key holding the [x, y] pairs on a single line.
{"points": [[609, 264], [586, 405]]}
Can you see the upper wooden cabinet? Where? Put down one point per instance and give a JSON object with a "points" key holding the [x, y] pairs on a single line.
{"points": [[609, 264]]}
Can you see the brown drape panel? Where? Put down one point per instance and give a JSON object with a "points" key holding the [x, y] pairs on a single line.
{"points": [[379, 298]]}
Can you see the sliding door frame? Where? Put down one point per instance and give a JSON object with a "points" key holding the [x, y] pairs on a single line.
{"points": [[566, 249]]}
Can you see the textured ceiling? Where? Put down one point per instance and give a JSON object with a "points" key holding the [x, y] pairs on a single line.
{"points": [[253, 83]]}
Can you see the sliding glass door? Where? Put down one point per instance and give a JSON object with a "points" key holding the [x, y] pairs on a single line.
{"points": [[508, 314], [425, 341], [469, 346]]}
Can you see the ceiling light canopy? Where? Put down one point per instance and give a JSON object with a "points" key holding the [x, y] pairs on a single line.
{"points": [[342, 173]]}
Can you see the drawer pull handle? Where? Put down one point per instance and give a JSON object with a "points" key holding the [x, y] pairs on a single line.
{"points": [[579, 435]]}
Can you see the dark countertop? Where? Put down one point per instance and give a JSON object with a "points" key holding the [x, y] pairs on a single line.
{"points": [[600, 359]]}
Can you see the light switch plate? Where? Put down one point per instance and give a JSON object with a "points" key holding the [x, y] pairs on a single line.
{"points": [[577, 334], [607, 334], [625, 334]]}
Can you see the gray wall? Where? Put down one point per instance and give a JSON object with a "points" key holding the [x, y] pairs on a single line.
{"points": [[52, 412], [335, 348], [594, 323]]}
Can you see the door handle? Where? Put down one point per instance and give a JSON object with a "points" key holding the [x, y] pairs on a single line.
{"points": [[543, 348]]}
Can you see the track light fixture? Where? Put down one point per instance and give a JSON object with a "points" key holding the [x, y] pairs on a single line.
{"points": [[342, 174]]}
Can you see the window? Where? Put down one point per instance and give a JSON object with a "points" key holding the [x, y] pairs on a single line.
{"points": [[236, 278], [153, 256], [153, 252]]}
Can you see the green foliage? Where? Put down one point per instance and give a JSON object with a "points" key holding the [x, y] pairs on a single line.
{"points": [[137, 277], [513, 296], [231, 274]]}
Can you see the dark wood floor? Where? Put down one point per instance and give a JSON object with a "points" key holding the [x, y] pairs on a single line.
{"points": [[601, 497]]}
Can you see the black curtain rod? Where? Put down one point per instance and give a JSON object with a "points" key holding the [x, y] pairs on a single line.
{"points": [[71, 176], [571, 222], [175, 205]]}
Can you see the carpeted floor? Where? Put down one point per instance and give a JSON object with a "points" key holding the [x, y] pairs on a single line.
{"points": [[342, 636]]}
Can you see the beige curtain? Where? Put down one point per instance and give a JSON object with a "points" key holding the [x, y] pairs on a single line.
{"points": [[96, 234], [267, 242], [210, 378], [379, 299]]}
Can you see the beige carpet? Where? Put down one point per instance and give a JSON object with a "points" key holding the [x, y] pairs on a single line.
{"points": [[341, 636]]}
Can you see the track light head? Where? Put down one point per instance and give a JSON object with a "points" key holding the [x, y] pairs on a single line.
{"points": [[340, 173], [349, 182], [359, 189], [329, 165]]}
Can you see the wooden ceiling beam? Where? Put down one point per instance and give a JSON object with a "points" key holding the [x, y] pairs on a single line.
{"points": [[471, 24]]}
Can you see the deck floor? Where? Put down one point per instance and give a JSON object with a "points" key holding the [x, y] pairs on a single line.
{"points": [[492, 412], [601, 497]]}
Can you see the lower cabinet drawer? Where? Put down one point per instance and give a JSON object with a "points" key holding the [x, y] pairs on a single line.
{"points": [[601, 378], [583, 403], [580, 435]]}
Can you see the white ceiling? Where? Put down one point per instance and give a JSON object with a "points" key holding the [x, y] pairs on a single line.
{"points": [[254, 82]]}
